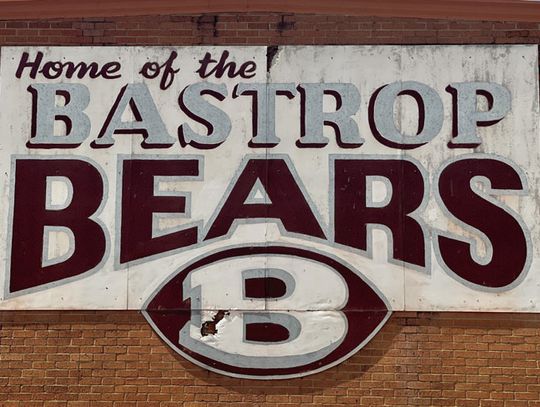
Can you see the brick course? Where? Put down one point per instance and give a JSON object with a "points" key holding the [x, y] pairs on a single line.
{"points": [[92, 358], [263, 29], [99, 358]]}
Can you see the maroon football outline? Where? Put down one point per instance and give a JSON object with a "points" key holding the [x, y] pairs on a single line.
{"points": [[365, 310]]}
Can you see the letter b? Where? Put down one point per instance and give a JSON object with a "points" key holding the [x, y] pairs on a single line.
{"points": [[250, 301], [32, 214]]}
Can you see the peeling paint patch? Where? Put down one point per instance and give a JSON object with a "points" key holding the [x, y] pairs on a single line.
{"points": [[210, 327]]}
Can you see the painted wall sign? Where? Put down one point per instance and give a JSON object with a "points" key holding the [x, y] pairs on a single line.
{"points": [[267, 208]]}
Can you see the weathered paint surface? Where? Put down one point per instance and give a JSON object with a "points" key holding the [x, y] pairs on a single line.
{"points": [[251, 199]]}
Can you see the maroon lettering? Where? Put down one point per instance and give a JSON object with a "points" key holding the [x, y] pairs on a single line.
{"points": [[222, 67], [110, 70], [152, 70], [352, 215], [286, 201], [139, 204], [32, 65], [507, 238], [30, 216], [69, 69]]}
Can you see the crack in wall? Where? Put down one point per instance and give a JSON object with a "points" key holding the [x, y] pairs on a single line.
{"points": [[271, 52]]}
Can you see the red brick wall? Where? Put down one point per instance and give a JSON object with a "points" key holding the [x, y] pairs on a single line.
{"points": [[418, 359], [256, 29]]}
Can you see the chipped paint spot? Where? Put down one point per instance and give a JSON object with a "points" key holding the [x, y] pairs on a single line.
{"points": [[210, 327]]}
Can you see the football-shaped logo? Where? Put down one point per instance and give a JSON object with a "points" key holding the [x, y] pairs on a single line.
{"points": [[266, 312]]}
